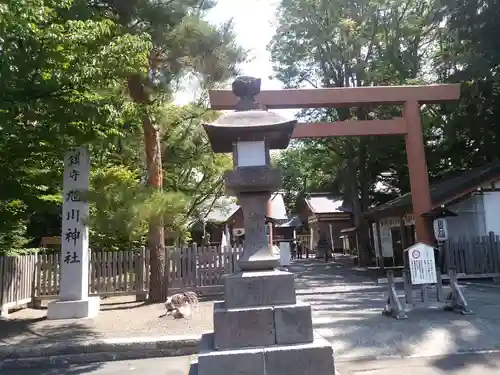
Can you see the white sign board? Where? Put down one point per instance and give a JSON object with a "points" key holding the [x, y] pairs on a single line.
{"points": [[285, 254], [386, 239], [440, 229], [74, 237], [251, 154], [422, 264], [375, 240]]}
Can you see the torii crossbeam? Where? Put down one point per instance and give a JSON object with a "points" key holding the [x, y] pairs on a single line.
{"points": [[409, 125]]}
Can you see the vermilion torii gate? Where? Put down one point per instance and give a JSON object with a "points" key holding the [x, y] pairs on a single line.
{"points": [[408, 125]]}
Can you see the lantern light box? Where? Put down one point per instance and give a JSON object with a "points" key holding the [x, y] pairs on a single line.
{"points": [[251, 154]]}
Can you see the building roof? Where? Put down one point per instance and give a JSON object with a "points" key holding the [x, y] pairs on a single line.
{"points": [[292, 222], [278, 208], [222, 211], [326, 203], [225, 208], [445, 189]]}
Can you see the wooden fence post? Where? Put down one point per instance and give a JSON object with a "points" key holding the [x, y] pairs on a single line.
{"points": [[140, 293], [407, 285], [457, 302], [492, 249], [393, 306], [439, 286], [193, 266], [2, 284], [34, 281]]}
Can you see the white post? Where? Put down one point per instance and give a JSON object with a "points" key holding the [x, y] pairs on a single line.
{"points": [[74, 301]]}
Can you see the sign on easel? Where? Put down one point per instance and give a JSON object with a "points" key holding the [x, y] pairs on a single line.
{"points": [[422, 264]]}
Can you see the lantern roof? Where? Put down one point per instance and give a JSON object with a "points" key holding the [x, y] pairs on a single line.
{"points": [[249, 122]]}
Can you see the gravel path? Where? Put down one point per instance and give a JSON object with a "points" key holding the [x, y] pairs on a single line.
{"points": [[347, 307], [119, 317], [346, 303]]}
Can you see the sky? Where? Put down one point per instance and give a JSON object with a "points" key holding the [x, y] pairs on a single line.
{"points": [[254, 25]]}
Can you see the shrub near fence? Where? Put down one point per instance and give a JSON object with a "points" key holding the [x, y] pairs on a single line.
{"points": [[115, 273]]}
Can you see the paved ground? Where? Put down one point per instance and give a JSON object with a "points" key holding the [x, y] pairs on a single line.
{"points": [[347, 307], [119, 317], [478, 364]]}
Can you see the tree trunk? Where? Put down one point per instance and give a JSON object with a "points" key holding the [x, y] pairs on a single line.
{"points": [[363, 230], [156, 241], [352, 191]]}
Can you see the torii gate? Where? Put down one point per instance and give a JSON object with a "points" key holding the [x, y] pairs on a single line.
{"points": [[408, 125]]}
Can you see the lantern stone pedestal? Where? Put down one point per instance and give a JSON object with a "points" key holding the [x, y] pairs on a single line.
{"points": [[259, 328]]}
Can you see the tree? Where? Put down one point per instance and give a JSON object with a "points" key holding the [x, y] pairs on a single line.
{"points": [[350, 44], [58, 89], [468, 54], [182, 42]]}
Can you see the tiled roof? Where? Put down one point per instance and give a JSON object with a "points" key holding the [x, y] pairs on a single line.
{"points": [[292, 222], [222, 211], [445, 188], [326, 203], [278, 208], [225, 208]]}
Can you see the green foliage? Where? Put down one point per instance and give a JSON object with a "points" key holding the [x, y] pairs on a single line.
{"points": [[190, 165], [12, 225], [20, 252], [60, 73], [121, 207], [64, 65], [362, 43]]}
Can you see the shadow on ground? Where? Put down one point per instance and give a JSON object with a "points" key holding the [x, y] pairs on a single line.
{"points": [[453, 363], [82, 369], [24, 333], [347, 305]]}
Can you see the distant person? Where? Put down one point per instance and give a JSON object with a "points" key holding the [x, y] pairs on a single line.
{"points": [[300, 248], [293, 248], [324, 247]]}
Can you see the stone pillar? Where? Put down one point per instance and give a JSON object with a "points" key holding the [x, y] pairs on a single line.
{"points": [[74, 301], [256, 253]]}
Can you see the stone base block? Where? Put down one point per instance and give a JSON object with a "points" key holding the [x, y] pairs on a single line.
{"points": [[259, 288], [240, 328], [293, 324], [88, 308], [239, 361], [314, 358]]}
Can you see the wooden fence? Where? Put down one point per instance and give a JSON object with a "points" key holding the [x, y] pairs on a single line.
{"points": [[25, 278], [201, 269], [473, 255], [17, 275]]}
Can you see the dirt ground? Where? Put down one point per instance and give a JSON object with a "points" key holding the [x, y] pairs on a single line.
{"points": [[119, 317]]}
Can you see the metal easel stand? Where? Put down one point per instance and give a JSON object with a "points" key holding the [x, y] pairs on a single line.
{"points": [[393, 307], [456, 301]]}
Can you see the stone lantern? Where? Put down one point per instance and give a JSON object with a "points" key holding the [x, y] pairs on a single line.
{"points": [[259, 328], [250, 133]]}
